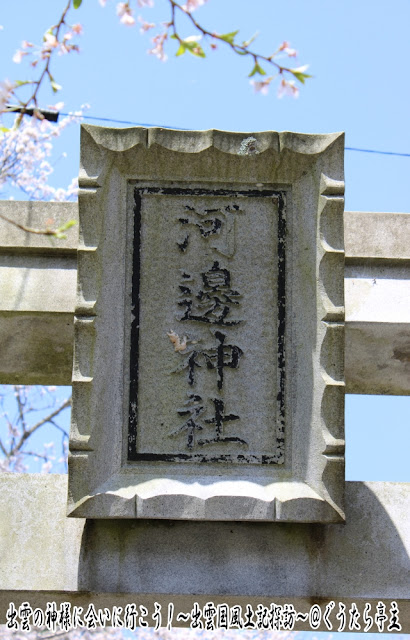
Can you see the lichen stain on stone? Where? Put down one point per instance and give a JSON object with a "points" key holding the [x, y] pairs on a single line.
{"points": [[401, 355], [249, 147]]}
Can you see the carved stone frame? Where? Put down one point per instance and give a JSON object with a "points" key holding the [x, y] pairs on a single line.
{"points": [[308, 170]]}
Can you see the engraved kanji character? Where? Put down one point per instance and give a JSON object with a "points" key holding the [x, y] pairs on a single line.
{"points": [[218, 420], [212, 302], [224, 355], [217, 226], [219, 357], [193, 409]]}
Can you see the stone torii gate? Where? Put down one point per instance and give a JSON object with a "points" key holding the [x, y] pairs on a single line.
{"points": [[49, 557]]}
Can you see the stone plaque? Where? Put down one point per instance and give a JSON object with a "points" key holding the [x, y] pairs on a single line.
{"points": [[210, 268], [208, 367]]}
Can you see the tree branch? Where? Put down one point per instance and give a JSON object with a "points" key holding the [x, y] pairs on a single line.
{"points": [[26, 434]]}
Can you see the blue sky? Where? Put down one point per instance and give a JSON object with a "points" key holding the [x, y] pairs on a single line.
{"points": [[358, 53]]}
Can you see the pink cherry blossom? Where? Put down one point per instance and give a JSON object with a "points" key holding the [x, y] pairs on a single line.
{"points": [[77, 28], [145, 26], [6, 87], [145, 3], [50, 41], [158, 49], [261, 86], [124, 12], [286, 48], [24, 158], [288, 88], [19, 55], [191, 5]]}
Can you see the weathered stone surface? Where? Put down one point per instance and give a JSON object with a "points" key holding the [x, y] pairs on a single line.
{"points": [[38, 279], [32, 283], [37, 347], [208, 368], [379, 235], [39, 545], [377, 288], [367, 557], [38, 216]]}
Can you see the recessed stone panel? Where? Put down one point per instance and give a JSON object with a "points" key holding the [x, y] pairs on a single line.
{"points": [[207, 341]]}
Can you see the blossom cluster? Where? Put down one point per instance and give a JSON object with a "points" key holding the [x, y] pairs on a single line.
{"points": [[24, 158], [126, 14], [52, 41], [167, 30]]}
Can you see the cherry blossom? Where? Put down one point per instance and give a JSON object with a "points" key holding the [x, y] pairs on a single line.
{"points": [[191, 5], [288, 88], [24, 153], [158, 49], [19, 55], [145, 26], [211, 38], [6, 88], [286, 48], [261, 86], [124, 12]]}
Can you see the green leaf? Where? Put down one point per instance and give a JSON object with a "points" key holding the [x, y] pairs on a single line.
{"points": [[77, 3], [192, 45], [19, 83], [197, 51], [257, 69], [4, 129], [181, 49], [66, 225], [300, 74], [59, 233], [229, 37]]}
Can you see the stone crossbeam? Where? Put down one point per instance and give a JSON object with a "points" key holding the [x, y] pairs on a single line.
{"points": [[102, 559], [38, 282]]}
